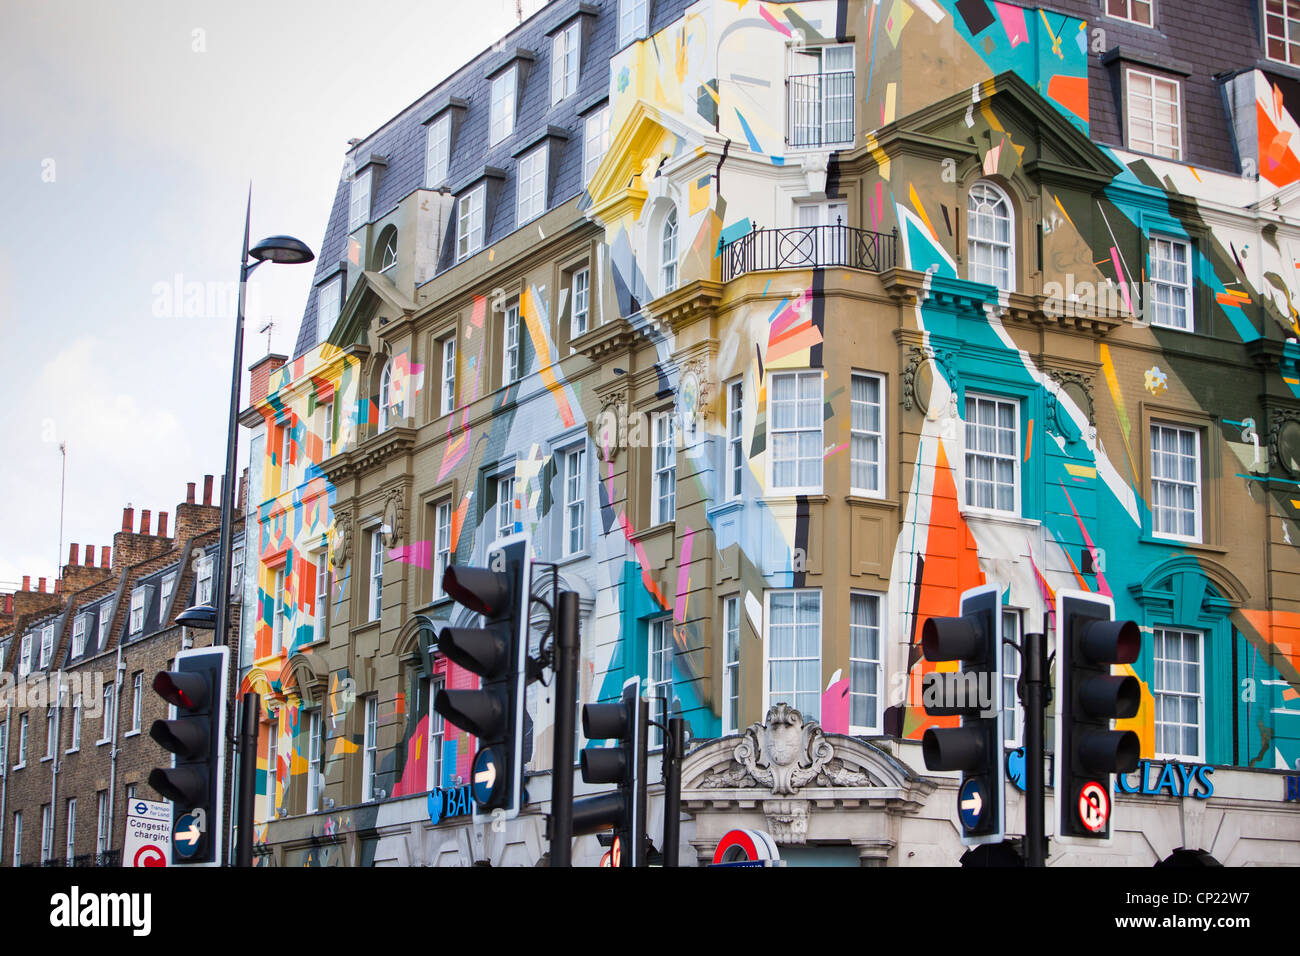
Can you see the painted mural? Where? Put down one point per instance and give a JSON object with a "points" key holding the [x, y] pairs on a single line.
{"points": [[940, 95]]}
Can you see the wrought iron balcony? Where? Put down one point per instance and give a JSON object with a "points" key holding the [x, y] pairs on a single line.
{"points": [[821, 109], [809, 247]]}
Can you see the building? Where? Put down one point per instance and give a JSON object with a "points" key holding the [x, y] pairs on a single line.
{"points": [[585, 288], [74, 744]]}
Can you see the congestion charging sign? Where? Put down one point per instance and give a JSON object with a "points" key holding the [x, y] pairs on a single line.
{"points": [[747, 848], [148, 839]]}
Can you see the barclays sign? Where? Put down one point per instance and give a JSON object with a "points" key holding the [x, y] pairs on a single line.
{"points": [[449, 803]]}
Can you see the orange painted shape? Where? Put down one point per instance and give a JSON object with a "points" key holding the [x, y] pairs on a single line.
{"points": [[1071, 92], [1029, 438]]}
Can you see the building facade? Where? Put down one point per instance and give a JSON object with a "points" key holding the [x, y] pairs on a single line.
{"points": [[77, 696], [777, 326]]}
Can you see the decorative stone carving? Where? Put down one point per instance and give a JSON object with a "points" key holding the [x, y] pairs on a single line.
{"points": [[608, 430], [1079, 387], [693, 396], [340, 538], [787, 820], [783, 754], [913, 376], [1280, 449], [394, 513]]}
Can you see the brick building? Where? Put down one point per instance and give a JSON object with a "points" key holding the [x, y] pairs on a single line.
{"points": [[74, 741]]}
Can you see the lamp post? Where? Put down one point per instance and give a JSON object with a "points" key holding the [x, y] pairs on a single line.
{"points": [[284, 249]]}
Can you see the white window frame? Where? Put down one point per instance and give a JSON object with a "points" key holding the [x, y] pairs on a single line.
{"points": [[47, 832], [388, 255], [448, 396], [322, 592], [164, 594], [437, 151], [391, 413], [327, 427], [22, 742], [661, 649], [1289, 15], [995, 456], [470, 222], [511, 345], [579, 320], [79, 635], [867, 436], [769, 695], [502, 106], [137, 701], [1141, 104], [531, 197], [25, 655], [278, 613], [51, 733], [375, 604], [505, 482], [1013, 715], [314, 750], [18, 838], [441, 545], [1162, 271], [1177, 482], [327, 308], [1128, 14], [370, 748], [203, 579], [139, 602], [668, 277], [105, 613], [437, 735], [733, 466], [574, 482], [47, 645], [633, 21], [731, 664], [595, 141], [566, 59], [991, 247], [1160, 692], [829, 126], [272, 767], [102, 835], [795, 431], [110, 709], [70, 838], [286, 452], [878, 663], [359, 200], [77, 711], [663, 486]]}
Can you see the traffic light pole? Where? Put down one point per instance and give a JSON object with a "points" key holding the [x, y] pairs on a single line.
{"points": [[566, 695], [248, 720], [674, 744], [1034, 651]]}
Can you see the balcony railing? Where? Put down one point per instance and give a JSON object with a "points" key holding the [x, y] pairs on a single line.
{"points": [[821, 109], [808, 247]]}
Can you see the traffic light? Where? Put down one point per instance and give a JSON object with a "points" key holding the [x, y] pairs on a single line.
{"points": [[498, 653], [195, 735], [628, 722], [974, 693], [1088, 698]]}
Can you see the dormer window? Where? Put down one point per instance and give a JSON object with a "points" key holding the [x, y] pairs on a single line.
{"points": [[168, 583], [139, 598], [388, 249], [633, 20], [25, 656], [203, 580], [47, 645], [532, 185], [469, 222], [359, 206], [566, 47], [503, 106], [437, 151], [327, 308], [79, 634]]}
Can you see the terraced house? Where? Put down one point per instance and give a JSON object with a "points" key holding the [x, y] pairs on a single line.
{"points": [[776, 326]]}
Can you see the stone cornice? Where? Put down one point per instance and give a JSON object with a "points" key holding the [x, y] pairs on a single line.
{"points": [[369, 454], [682, 307], [607, 339]]}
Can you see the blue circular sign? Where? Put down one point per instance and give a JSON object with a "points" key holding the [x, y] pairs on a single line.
{"points": [[486, 775], [971, 802], [187, 838], [1016, 768]]}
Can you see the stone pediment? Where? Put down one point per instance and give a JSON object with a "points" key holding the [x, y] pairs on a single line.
{"points": [[787, 755]]}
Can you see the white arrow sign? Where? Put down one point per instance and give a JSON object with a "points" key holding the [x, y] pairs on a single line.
{"points": [[973, 803], [488, 775], [190, 836]]}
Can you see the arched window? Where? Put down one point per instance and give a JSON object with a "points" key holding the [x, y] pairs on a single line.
{"points": [[989, 248], [391, 410], [388, 249], [668, 253]]}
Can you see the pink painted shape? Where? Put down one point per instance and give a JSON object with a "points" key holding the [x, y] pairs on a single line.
{"points": [[1013, 21], [1119, 272], [835, 708], [683, 576], [1102, 586], [773, 20], [418, 553]]}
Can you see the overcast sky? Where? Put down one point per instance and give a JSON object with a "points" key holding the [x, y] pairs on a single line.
{"points": [[130, 133]]}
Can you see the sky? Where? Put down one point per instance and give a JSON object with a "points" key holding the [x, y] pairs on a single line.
{"points": [[131, 133]]}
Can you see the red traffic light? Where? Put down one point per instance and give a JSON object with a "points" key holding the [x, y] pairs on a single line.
{"points": [[479, 589], [182, 689]]}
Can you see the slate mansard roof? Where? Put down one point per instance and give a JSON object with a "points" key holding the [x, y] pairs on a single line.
{"points": [[401, 142]]}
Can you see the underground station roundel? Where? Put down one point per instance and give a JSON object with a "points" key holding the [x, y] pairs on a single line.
{"points": [[746, 846]]}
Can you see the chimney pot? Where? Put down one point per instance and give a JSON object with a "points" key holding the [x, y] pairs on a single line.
{"points": [[40, 585], [207, 489], [57, 585], [145, 520], [27, 582], [74, 554], [162, 524], [189, 493], [128, 519], [105, 553], [90, 555]]}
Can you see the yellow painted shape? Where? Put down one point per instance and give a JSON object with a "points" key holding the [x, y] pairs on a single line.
{"points": [[1116, 396], [1081, 471], [699, 197], [344, 747], [920, 210], [1143, 722], [891, 101], [882, 159]]}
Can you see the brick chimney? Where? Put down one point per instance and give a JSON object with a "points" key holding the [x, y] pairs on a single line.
{"points": [[77, 576], [28, 601], [189, 493], [207, 489], [162, 524], [259, 376], [192, 519], [27, 582], [104, 553], [41, 586], [74, 554], [90, 555], [128, 519], [131, 547], [145, 521]]}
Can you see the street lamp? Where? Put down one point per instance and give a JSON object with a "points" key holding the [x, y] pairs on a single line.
{"points": [[283, 249]]}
